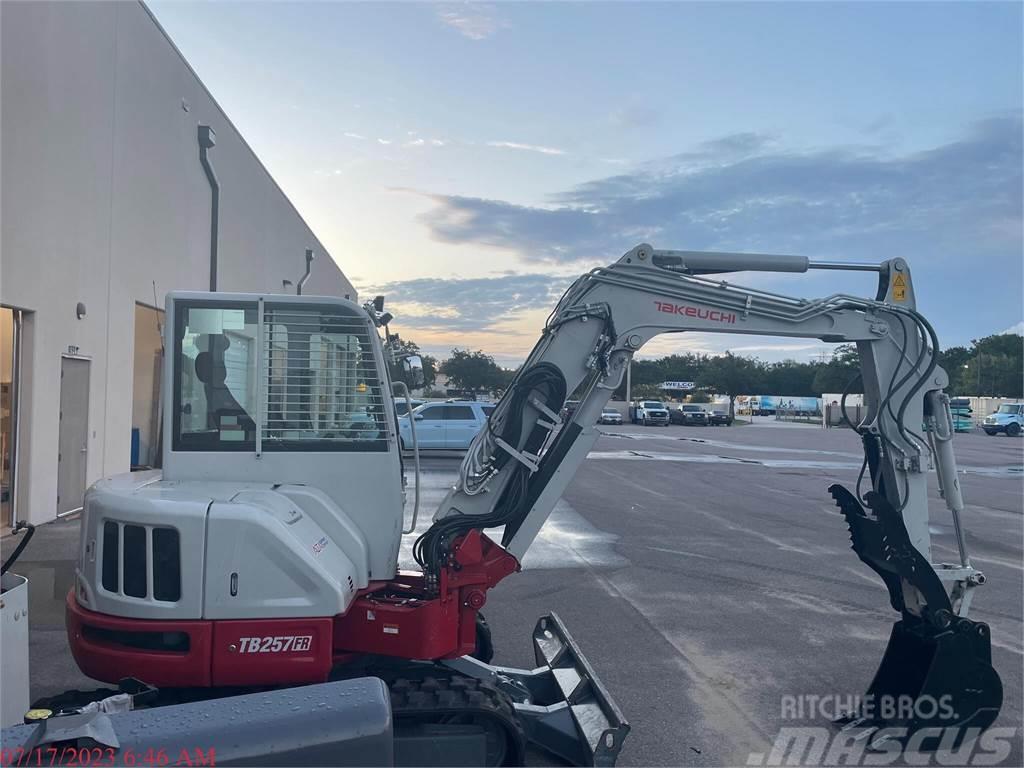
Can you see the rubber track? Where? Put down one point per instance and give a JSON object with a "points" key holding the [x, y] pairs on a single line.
{"points": [[430, 698]]}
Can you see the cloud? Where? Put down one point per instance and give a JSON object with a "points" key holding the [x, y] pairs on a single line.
{"points": [[958, 200], [469, 304], [526, 147], [1017, 328], [351, 135], [476, 21], [422, 142], [385, 142]]}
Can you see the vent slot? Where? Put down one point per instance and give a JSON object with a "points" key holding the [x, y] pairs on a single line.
{"points": [[133, 559], [166, 564], [111, 556]]}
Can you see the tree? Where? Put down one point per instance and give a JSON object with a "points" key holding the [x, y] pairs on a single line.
{"points": [[790, 378], [647, 392], [954, 360], [839, 372], [996, 366], [474, 371], [731, 375]]}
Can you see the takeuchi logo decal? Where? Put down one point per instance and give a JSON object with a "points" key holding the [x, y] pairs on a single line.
{"points": [[714, 315]]}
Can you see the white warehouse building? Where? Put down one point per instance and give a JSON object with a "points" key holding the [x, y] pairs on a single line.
{"points": [[106, 206]]}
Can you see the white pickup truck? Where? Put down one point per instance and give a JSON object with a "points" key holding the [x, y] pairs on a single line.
{"points": [[1008, 419], [649, 412]]}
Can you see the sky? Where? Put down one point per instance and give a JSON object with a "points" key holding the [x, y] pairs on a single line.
{"points": [[469, 160]]}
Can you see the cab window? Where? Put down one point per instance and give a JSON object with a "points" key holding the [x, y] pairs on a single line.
{"points": [[215, 371], [308, 384]]}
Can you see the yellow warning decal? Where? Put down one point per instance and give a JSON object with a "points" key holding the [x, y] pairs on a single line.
{"points": [[899, 288]]}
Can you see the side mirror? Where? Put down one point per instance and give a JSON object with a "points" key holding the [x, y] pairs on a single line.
{"points": [[418, 417], [413, 368]]}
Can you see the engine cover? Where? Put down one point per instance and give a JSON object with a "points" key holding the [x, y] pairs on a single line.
{"points": [[182, 550]]}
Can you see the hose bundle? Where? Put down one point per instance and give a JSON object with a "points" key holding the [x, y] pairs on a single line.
{"points": [[543, 381]]}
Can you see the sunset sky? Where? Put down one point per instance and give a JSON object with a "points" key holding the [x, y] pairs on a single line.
{"points": [[469, 160]]}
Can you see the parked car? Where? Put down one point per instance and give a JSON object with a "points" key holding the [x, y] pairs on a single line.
{"points": [[1009, 419], [719, 419], [400, 407], [444, 426], [690, 415], [610, 416], [649, 412]]}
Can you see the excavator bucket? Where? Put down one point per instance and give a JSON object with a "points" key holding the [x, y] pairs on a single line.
{"points": [[933, 678], [937, 669]]}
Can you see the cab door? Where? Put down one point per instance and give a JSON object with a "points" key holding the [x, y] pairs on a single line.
{"points": [[430, 426], [461, 426]]}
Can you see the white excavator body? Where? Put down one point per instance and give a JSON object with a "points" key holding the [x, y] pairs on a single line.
{"points": [[266, 551]]}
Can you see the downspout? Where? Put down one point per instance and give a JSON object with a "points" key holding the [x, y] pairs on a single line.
{"points": [[207, 140], [15, 455], [309, 269]]}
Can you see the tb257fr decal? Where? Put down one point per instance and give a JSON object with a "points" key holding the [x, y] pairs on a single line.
{"points": [[278, 644]]}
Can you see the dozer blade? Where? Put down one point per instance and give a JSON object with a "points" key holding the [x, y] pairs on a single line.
{"points": [[585, 726], [561, 704], [937, 669]]}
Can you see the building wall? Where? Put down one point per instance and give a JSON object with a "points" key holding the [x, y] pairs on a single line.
{"points": [[104, 202]]}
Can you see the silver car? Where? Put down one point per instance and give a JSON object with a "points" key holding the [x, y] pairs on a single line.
{"points": [[610, 416]]}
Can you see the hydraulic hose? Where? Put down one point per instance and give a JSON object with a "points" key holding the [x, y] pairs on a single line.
{"points": [[30, 532]]}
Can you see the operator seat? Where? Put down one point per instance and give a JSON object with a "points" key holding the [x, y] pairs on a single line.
{"points": [[222, 409]]}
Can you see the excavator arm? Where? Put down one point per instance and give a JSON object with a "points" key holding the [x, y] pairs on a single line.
{"points": [[520, 464]]}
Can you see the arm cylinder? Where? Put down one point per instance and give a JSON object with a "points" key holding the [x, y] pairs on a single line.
{"points": [[709, 262]]}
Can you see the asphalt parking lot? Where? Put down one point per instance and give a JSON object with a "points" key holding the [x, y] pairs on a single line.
{"points": [[707, 576]]}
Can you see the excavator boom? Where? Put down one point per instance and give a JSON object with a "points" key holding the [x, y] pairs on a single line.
{"points": [[519, 465]]}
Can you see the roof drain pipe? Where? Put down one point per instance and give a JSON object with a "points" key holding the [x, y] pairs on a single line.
{"points": [[309, 269], [207, 140]]}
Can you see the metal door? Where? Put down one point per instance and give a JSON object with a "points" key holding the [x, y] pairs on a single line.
{"points": [[73, 441]]}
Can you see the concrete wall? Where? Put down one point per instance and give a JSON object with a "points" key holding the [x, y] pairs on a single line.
{"points": [[103, 197]]}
